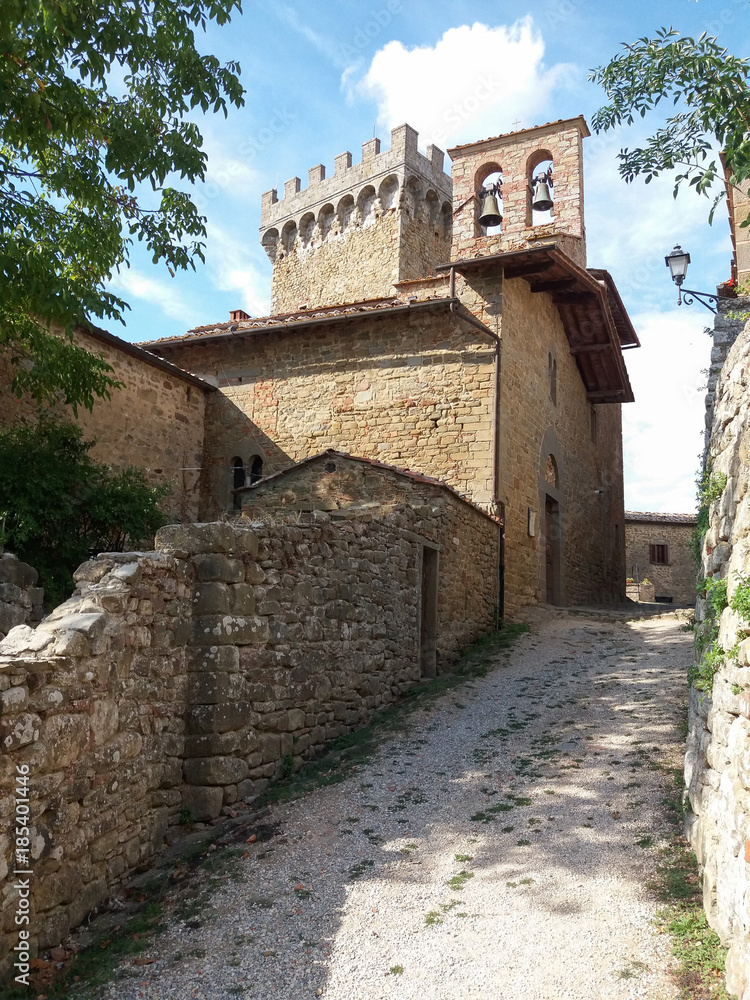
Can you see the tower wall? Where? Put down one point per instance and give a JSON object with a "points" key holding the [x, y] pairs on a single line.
{"points": [[517, 156], [352, 235]]}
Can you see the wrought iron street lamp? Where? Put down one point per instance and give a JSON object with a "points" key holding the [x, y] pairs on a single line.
{"points": [[677, 261]]}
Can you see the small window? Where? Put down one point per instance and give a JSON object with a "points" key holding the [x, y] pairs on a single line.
{"points": [[552, 372], [594, 429], [664, 599], [658, 555], [256, 469], [238, 481]]}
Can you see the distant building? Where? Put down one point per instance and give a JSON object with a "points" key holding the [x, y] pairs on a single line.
{"points": [[658, 549]]}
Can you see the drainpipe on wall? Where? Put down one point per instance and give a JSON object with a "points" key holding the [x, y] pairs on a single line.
{"points": [[496, 504]]}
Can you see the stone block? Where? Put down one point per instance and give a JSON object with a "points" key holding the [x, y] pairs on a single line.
{"points": [[230, 630], [213, 598], [19, 730], [67, 737], [206, 719], [209, 688], [242, 599], [214, 770], [104, 720], [56, 888], [86, 899], [183, 540], [215, 566], [269, 745], [71, 644], [22, 639], [296, 719], [12, 570], [53, 929], [103, 846], [246, 541], [212, 744], [204, 802], [213, 658]]}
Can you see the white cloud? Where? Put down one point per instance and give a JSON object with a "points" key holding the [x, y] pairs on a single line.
{"points": [[231, 266], [663, 429], [170, 299], [474, 82]]}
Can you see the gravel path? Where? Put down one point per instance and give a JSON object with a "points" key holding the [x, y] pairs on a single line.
{"points": [[489, 852]]}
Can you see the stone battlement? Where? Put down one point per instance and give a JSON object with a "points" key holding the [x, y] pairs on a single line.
{"points": [[402, 157]]}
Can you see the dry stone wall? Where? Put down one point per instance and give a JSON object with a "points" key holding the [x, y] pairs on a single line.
{"points": [[174, 684], [20, 598], [717, 762]]}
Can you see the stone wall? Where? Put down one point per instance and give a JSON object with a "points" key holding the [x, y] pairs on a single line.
{"points": [[676, 580], [517, 156], [717, 762], [155, 421], [174, 684], [350, 236], [415, 390], [20, 598], [585, 442]]}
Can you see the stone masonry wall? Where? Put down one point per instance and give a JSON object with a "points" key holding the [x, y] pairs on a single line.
{"points": [[155, 421], [176, 682], [588, 458], [350, 236], [517, 155], [20, 598], [413, 390], [717, 761], [675, 580]]}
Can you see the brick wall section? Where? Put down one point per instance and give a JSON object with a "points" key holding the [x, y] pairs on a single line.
{"points": [[155, 421], [414, 391], [677, 579], [180, 679], [531, 424], [20, 598], [517, 154], [717, 762]]}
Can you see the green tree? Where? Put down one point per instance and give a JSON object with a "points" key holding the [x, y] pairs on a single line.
{"points": [[710, 90], [58, 506], [95, 99]]}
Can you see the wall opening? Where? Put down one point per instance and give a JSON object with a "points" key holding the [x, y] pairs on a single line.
{"points": [[552, 550], [238, 481], [552, 374], [428, 617], [256, 469], [540, 181], [489, 181]]}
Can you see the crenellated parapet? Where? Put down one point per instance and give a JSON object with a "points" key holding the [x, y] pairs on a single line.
{"points": [[351, 235], [403, 160]]}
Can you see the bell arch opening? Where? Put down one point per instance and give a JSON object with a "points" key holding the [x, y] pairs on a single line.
{"points": [[488, 186], [540, 189]]}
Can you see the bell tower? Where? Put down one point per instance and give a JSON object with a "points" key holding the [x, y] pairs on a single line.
{"points": [[523, 172]]}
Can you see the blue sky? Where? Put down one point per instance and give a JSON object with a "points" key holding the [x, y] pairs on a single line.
{"points": [[321, 79]]}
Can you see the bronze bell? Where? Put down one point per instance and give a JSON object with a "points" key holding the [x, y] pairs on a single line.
{"points": [[489, 212], [542, 197]]}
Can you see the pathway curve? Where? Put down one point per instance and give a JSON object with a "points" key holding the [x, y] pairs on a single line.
{"points": [[490, 851]]}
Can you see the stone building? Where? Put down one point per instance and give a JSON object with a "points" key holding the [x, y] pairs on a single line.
{"points": [[409, 332], [658, 548], [154, 421]]}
